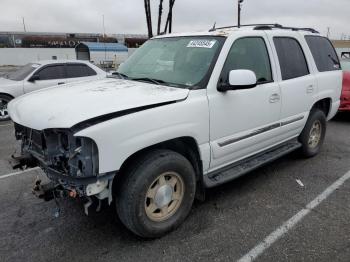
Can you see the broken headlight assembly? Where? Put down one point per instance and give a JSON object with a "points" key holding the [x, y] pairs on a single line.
{"points": [[59, 152]]}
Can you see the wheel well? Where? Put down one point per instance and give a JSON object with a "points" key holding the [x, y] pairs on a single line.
{"points": [[324, 105], [4, 94], [186, 146]]}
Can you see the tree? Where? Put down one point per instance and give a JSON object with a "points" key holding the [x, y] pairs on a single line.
{"points": [[169, 20]]}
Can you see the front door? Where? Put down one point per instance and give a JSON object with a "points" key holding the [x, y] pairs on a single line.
{"points": [[244, 122], [51, 75]]}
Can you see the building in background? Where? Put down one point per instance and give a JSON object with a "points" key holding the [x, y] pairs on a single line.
{"points": [[106, 55], [19, 48], [65, 40], [342, 47]]}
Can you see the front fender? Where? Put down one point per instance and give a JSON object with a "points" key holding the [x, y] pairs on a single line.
{"points": [[119, 138], [12, 91]]}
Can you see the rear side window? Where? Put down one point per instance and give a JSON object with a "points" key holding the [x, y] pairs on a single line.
{"points": [[291, 57], [325, 57], [52, 72], [79, 70], [249, 53]]}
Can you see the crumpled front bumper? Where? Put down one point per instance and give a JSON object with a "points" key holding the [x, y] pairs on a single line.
{"points": [[68, 161]]}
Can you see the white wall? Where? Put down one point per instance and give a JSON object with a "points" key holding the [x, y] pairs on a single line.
{"points": [[22, 56]]}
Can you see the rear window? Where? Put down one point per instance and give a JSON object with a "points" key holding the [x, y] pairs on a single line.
{"points": [[22, 72], [291, 57], [322, 50]]}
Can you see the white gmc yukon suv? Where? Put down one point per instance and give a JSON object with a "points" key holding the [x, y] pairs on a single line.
{"points": [[184, 113]]}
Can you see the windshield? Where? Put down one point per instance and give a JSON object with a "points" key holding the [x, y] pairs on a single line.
{"points": [[345, 65], [176, 61], [22, 72]]}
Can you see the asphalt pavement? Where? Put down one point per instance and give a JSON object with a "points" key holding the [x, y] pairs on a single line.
{"points": [[233, 219]]}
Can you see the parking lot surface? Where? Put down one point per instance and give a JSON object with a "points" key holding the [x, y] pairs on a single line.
{"points": [[233, 220]]}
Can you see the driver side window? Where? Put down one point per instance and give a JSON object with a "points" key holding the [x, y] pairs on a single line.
{"points": [[52, 72], [249, 53]]}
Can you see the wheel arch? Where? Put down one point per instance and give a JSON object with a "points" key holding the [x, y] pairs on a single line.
{"points": [[6, 94], [186, 146], [324, 105]]}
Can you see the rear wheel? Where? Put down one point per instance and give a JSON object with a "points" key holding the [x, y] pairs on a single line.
{"points": [[4, 100], [313, 135], [156, 194]]}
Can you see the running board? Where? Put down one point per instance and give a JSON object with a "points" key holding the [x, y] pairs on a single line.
{"points": [[245, 166]]}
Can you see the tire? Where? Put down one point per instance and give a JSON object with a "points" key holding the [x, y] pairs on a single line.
{"points": [[4, 100], [311, 138], [143, 190]]}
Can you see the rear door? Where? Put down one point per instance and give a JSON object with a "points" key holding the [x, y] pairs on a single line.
{"points": [[328, 69], [296, 79], [49, 75]]}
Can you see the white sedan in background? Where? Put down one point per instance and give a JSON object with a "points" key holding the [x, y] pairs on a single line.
{"points": [[42, 74]]}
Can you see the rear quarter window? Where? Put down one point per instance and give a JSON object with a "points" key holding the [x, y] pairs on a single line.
{"points": [[323, 52]]}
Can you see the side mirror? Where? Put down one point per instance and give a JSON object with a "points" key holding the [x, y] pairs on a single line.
{"points": [[34, 78], [239, 79]]}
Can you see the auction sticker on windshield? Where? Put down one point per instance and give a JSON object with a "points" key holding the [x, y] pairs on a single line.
{"points": [[202, 43]]}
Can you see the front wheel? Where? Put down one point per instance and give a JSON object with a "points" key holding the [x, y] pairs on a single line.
{"points": [[156, 194], [4, 100], [313, 135]]}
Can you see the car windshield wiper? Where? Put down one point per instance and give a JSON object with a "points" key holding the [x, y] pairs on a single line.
{"points": [[152, 80], [120, 75]]}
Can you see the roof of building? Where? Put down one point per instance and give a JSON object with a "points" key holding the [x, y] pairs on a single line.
{"points": [[109, 47]]}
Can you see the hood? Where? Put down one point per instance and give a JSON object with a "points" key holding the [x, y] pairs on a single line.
{"points": [[68, 105], [6, 82]]}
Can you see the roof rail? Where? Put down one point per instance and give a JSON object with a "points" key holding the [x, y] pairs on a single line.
{"points": [[270, 27], [236, 26], [267, 27]]}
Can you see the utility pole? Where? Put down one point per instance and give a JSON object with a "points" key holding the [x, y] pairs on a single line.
{"points": [[24, 25], [103, 24], [328, 32], [239, 12]]}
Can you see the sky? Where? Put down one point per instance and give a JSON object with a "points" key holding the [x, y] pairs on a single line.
{"points": [[128, 16]]}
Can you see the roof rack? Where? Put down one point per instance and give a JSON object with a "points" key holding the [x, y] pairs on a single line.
{"points": [[270, 27], [247, 25], [267, 27]]}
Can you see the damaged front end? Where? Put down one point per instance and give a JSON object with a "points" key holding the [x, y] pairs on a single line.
{"points": [[71, 163]]}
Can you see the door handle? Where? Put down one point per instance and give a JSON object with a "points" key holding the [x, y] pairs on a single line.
{"points": [[310, 89], [274, 98], [61, 83]]}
